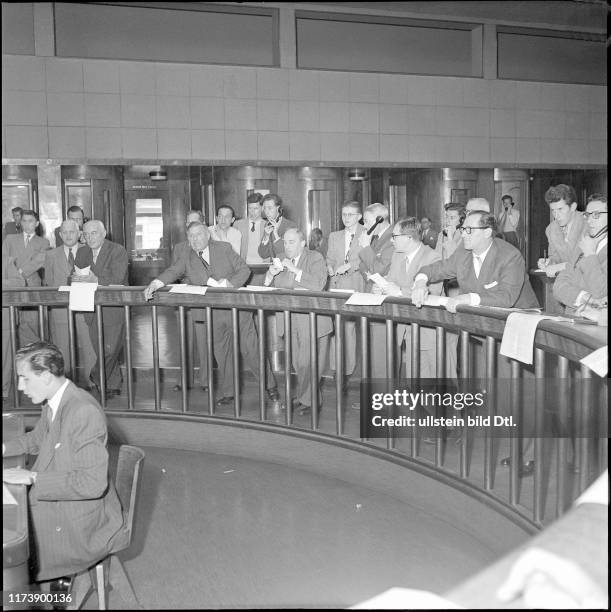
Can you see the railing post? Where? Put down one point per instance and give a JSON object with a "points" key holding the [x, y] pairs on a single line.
{"points": [[287, 366], [209, 339], [182, 336], [262, 361], [13, 323], [339, 374], [562, 376], [364, 354], [314, 381], [514, 441], [235, 345], [71, 342], [101, 354], [128, 358], [390, 373], [465, 372], [156, 376], [538, 508], [491, 401]]}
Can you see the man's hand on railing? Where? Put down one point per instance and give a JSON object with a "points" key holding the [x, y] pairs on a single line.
{"points": [[152, 287], [419, 293], [453, 302]]}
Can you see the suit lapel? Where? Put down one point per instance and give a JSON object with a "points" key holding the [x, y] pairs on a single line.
{"points": [[488, 265], [100, 263]]}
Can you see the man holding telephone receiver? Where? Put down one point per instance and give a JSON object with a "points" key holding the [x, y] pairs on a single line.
{"points": [[275, 228], [376, 244], [582, 285]]}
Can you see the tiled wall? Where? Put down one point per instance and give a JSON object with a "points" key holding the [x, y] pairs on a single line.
{"points": [[91, 110]]}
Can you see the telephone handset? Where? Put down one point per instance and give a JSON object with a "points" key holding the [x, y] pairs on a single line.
{"points": [[278, 217], [600, 232]]}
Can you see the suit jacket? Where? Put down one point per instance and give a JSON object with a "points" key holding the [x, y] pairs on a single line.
{"points": [[404, 276], [111, 264], [10, 227], [429, 237], [336, 256], [377, 257], [560, 249], [276, 249], [313, 277], [74, 507], [57, 268], [243, 225], [502, 280], [30, 259], [582, 274], [446, 246]]}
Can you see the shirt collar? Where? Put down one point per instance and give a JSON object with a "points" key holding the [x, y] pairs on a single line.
{"points": [[483, 255], [602, 244], [56, 399], [411, 256]]}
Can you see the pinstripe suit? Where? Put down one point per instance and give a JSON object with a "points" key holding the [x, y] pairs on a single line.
{"points": [[57, 271], [75, 511]]}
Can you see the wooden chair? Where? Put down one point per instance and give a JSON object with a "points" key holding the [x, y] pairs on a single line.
{"points": [[127, 482]]}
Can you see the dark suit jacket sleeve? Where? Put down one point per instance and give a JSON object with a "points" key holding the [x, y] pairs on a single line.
{"points": [[590, 274], [441, 270], [240, 271], [28, 443], [376, 262], [314, 272], [510, 279], [177, 270], [84, 429]]}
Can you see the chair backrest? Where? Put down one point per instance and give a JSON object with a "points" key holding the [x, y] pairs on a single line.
{"points": [[127, 481]]}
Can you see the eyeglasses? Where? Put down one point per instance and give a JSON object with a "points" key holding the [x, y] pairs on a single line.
{"points": [[468, 230], [393, 236], [595, 215], [350, 214]]}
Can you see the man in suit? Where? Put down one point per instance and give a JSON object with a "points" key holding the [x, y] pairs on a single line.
{"points": [[74, 508], [275, 227], [301, 268], [59, 267], [209, 259], [223, 231], [582, 285], [343, 266], [27, 251], [107, 263], [376, 247], [76, 214], [489, 271], [429, 235], [509, 220], [251, 229], [14, 226], [564, 231], [410, 255]]}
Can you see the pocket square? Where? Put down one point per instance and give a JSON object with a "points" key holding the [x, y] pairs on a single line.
{"points": [[58, 445], [490, 285]]}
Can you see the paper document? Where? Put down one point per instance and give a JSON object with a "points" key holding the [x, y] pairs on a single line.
{"points": [[82, 296], [364, 299], [342, 290], [256, 288], [193, 289], [598, 361], [7, 497], [519, 335], [398, 598], [436, 300]]}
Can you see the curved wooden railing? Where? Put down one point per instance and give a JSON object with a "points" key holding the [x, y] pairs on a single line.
{"points": [[557, 351]]}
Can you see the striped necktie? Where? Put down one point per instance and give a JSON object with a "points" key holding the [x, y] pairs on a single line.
{"points": [[349, 247], [201, 256]]}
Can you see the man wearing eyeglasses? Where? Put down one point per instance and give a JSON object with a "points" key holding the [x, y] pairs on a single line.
{"points": [[582, 285], [489, 271]]}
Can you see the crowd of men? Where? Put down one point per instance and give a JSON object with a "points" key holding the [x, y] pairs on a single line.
{"points": [[474, 259]]}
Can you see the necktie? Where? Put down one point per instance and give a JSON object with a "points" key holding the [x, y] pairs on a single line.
{"points": [[373, 239], [71, 260], [201, 256], [565, 231], [27, 239], [349, 247], [252, 226]]}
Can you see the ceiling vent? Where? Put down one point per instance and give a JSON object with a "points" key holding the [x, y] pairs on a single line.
{"points": [[158, 175], [357, 174]]}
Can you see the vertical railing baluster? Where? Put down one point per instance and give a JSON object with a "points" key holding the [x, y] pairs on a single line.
{"points": [[71, 343], [42, 328], [101, 355], [184, 375], [287, 366], [339, 374], [584, 421], [364, 358], [262, 362], [128, 357], [415, 374], [491, 402], [156, 373], [235, 345], [209, 344], [12, 313], [465, 372], [538, 509], [390, 374], [514, 440], [314, 370], [440, 366], [562, 375]]}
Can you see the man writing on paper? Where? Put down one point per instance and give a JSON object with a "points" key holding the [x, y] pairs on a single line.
{"points": [[582, 285], [489, 271], [304, 269], [74, 508], [215, 263]]}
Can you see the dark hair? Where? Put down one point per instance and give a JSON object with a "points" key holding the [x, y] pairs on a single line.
{"points": [[17, 209], [507, 197], [410, 226], [486, 219], [272, 197], [226, 207], [199, 213], [352, 204], [74, 209], [459, 208], [195, 224], [316, 239], [560, 192], [30, 213], [597, 197], [254, 198], [42, 357]]}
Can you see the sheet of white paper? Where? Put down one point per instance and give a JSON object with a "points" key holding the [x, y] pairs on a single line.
{"points": [[364, 299], [597, 492], [436, 300], [256, 288], [82, 296], [519, 335], [598, 361], [7, 497], [192, 289], [342, 290], [398, 598], [378, 279]]}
